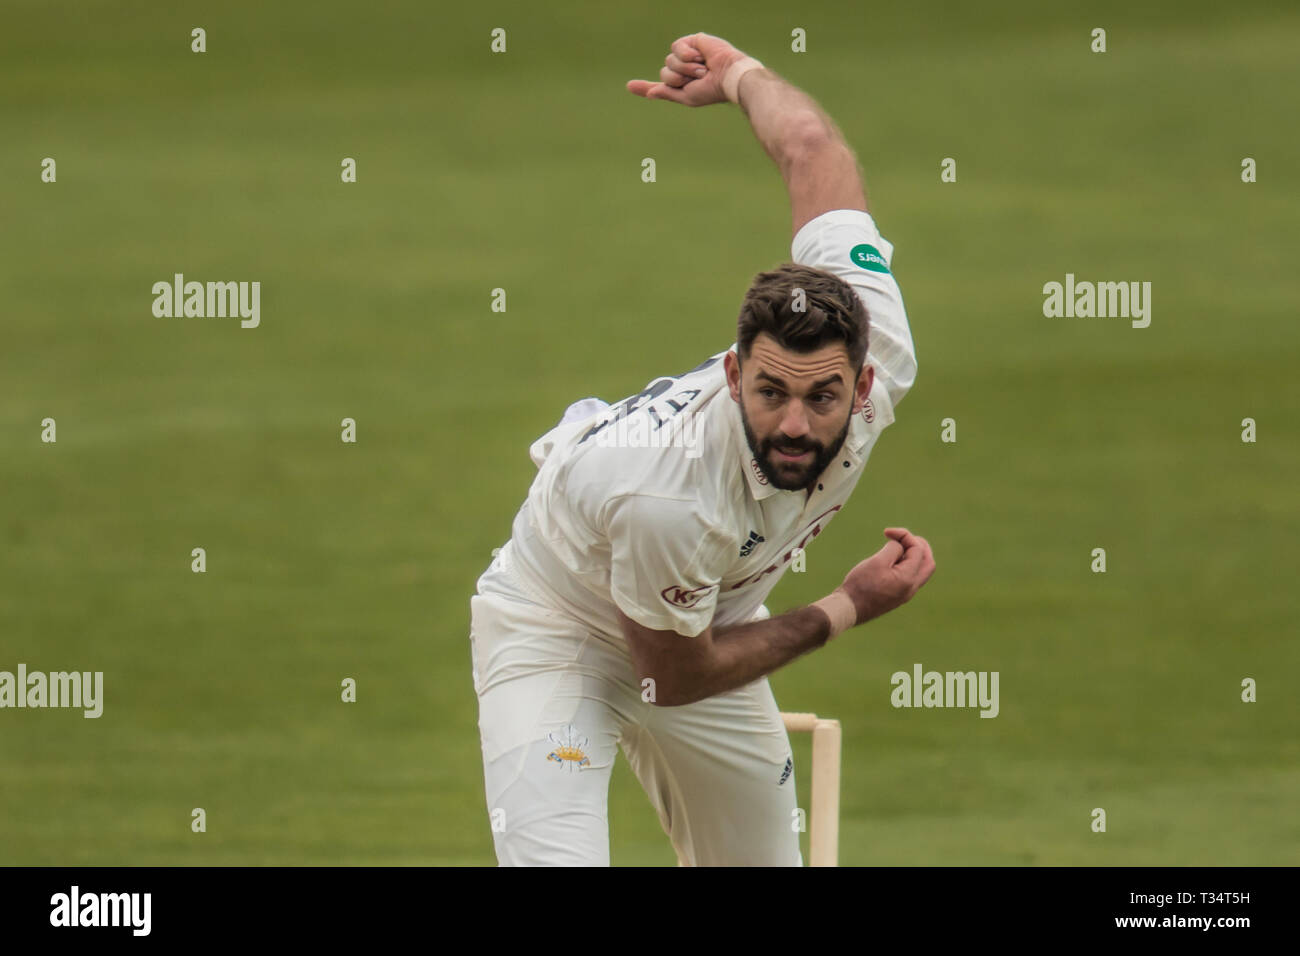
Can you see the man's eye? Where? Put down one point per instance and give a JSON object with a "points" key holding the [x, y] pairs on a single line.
{"points": [[823, 398], [767, 392]]}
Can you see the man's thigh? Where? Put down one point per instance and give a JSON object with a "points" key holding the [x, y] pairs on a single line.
{"points": [[552, 707], [720, 774]]}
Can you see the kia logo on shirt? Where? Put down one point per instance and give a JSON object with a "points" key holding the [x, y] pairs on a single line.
{"points": [[678, 596], [868, 412], [758, 472]]}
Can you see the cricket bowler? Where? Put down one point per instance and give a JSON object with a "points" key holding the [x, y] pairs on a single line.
{"points": [[627, 608]]}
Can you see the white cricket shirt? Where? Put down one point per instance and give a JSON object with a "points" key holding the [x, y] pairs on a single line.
{"points": [[656, 506]]}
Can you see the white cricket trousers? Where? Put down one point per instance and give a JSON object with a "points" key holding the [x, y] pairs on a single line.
{"points": [[555, 704]]}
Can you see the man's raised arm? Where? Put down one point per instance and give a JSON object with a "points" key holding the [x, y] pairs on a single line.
{"points": [[821, 172]]}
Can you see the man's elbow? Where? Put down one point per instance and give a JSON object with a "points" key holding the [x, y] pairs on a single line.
{"points": [[673, 679], [673, 688], [670, 668], [802, 140], [806, 134]]}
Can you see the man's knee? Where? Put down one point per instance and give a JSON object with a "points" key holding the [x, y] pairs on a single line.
{"points": [[548, 802], [563, 836]]}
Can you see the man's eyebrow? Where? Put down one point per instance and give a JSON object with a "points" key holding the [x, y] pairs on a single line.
{"points": [[832, 380]]}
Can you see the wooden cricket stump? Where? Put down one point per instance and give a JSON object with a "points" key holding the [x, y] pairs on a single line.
{"points": [[824, 828]]}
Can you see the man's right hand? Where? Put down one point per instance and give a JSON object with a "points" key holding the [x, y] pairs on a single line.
{"points": [[891, 576], [692, 72]]}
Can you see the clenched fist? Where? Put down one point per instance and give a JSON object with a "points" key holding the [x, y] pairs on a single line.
{"points": [[891, 576], [692, 72]]}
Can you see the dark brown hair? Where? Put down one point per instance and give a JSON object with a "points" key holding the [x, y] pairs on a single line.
{"points": [[833, 313]]}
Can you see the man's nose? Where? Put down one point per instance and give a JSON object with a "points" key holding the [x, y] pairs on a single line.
{"points": [[794, 423]]}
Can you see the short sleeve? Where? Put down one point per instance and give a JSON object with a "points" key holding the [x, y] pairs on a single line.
{"points": [[575, 419], [846, 243], [666, 562]]}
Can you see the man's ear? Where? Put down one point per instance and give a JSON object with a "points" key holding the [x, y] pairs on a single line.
{"points": [[732, 365], [863, 389]]}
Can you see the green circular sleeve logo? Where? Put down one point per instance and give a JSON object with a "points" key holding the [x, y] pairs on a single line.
{"points": [[869, 258]]}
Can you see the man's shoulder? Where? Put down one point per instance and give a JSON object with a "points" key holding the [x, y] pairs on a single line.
{"points": [[684, 466], [663, 435]]}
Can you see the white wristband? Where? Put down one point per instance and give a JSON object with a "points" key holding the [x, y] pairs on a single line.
{"points": [[838, 606], [731, 79]]}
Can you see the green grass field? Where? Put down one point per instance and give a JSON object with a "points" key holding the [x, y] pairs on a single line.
{"points": [[328, 560]]}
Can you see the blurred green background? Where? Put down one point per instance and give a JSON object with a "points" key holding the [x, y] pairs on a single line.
{"points": [[522, 171]]}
